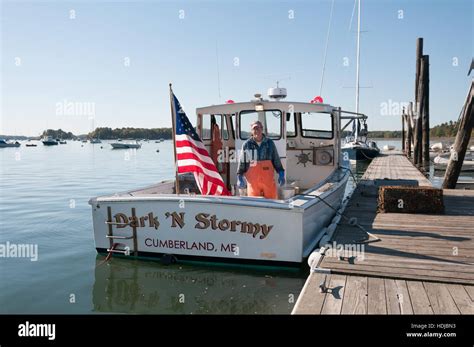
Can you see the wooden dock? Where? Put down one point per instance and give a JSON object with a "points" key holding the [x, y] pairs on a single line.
{"points": [[422, 264]]}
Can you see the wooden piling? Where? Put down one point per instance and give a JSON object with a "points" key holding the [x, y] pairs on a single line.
{"points": [[419, 55], [417, 155], [409, 129], [462, 140], [426, 111], [403, 131]]}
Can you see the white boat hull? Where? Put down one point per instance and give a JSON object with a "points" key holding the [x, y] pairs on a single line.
{"points": [[124, 145], [209, 228]]}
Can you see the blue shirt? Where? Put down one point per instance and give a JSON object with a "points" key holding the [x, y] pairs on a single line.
{"points": [[265, 151]]}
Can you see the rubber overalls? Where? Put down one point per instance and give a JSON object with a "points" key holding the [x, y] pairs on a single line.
{"points": [[260, 180]]}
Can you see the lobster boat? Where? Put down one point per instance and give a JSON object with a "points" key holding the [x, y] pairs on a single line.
{"points": [[173, 220]]}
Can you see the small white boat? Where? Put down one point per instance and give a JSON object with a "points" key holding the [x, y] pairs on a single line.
{"points": [[360, 149], [388, 148], [49, 141], [5, 143], [158, 221], [441, 164], [97, 140], [125, 145], [438, 146]]}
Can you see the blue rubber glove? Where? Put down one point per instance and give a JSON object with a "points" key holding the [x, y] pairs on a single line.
{"points": [[241, 181], [281, 178]]}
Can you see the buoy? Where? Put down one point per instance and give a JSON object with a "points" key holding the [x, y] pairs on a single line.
{"points": [[313, 259], [317, 100], [157, 151]]}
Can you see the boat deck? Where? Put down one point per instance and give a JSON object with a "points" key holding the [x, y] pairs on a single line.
{"points": [[422, 263]]}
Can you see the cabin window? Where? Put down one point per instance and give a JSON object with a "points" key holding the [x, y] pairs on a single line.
{"points": [[291, 124], [207, 121], [271, 120], [316, 125]]}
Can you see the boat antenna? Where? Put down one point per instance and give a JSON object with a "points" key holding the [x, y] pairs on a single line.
{"points": [[326, 50], [358, 64], [352, 16], [218, 75]]}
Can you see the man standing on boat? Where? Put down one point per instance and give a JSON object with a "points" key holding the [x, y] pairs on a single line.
{"points": [[259, 171]]}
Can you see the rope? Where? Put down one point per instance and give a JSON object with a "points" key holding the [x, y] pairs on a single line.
{"points": [[108, 255], [352, 221], [356, 182]]}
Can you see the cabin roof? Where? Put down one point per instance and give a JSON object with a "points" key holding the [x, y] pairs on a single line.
{"points": [[267, 105]]}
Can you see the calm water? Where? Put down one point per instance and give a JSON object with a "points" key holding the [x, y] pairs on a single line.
{"points": [[43, 201]]}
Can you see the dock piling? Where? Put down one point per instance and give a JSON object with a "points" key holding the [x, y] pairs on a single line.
{"points": [[462, 140]]}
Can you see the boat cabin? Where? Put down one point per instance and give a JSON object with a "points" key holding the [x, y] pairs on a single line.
{"points": [[306, 136]]}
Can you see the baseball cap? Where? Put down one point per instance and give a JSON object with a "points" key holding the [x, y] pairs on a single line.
{"points": [[255, 124]]}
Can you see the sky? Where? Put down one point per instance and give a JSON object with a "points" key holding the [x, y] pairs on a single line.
{"points": [[79, 65]]}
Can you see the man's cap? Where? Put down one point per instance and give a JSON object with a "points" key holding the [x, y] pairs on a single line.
{"points": [[255, 124]]}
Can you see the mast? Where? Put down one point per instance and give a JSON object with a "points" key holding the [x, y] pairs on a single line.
{"points": [[358, 66]]}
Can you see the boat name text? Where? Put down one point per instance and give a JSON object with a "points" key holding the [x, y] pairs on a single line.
{"points": [[204, 221]]}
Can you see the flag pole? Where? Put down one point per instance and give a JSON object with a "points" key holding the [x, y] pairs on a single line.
{"points": [[173, 120]]}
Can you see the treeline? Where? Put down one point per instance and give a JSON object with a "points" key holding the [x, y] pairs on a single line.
{"points": [[448, 129], [131, 133], [59, 134]]}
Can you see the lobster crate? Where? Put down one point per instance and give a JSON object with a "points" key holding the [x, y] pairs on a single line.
{"points": [[409, 199]]}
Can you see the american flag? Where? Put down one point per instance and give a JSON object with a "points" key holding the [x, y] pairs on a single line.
{"points": [[192, 155]]}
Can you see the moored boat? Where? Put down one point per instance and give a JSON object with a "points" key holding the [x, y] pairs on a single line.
{"points": [[49, 141], [125, 145], [172, 220], [5, 143], [441, 164]]}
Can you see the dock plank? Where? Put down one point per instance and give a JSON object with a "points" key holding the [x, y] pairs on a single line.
{"points": [[355, 295], [392, 296], [470, 291], [461, 298], [404, 299], [419, 298], [335, 295], [376, 300], [440, 299], [311, 301]]}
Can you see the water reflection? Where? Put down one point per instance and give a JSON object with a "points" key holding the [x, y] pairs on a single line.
{"points": [[134, 286]]}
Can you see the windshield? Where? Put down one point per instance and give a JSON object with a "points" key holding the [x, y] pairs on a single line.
{"points": [[271, 120]]}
